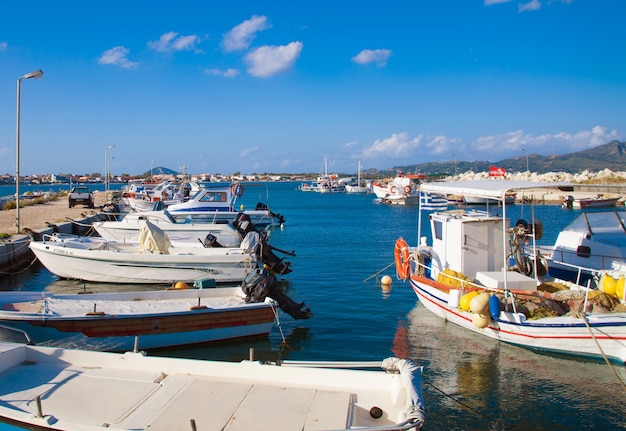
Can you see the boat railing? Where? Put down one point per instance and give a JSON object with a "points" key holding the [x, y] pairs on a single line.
{"points": [[607, 261], [20, 331]]}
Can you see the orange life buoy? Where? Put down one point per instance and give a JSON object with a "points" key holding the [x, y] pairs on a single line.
{"points": [[407, 189], [401, 256], [237, 189], [393, 190]]}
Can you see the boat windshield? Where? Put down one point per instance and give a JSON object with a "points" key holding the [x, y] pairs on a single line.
{"points": [[598, 222]]}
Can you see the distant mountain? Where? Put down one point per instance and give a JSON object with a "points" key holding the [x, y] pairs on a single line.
{"points": [[160, 171], [611, 155]]}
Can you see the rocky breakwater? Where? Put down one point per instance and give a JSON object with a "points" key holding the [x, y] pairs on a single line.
{"points": [[584, 184]]}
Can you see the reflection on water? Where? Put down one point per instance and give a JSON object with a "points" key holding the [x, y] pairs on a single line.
{"points": [[483, 384]]}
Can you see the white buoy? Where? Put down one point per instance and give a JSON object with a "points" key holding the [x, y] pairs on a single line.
{"points": [[386, 280]]}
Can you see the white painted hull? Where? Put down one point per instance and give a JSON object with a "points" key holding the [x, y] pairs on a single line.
{"points": [[124, 263], [565, 334]]}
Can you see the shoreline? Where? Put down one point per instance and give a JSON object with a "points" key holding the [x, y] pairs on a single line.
{"points": [[38, 216]]}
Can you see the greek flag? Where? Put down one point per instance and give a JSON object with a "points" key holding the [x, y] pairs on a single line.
{"points": [[431, 202]]}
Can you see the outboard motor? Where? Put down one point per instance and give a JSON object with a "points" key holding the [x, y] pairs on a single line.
{"points": [[211, 241], [274, 263], [260, 284], [260, 206]]}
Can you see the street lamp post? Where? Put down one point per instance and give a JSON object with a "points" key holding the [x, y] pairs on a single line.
{"points": [[151, 163], [106, 167], [527, 168], [37, 74]]}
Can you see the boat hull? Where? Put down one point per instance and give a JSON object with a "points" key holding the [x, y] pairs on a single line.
{"points": [[566, 335], [112, 321], [125, 264]]}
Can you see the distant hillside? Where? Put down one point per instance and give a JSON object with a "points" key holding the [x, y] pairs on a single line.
{"points": [[611, 155]]}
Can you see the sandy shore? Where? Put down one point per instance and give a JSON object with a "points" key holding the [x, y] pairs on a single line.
{"points": [[36, 216]]}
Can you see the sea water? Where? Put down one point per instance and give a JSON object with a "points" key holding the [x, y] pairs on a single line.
{"points": [[343, 245]]}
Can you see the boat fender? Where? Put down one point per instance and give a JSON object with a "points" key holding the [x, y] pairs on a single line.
{"points": [[494, 307], [453, 298], [619, 287], [464, 303], [480, 320], [609, 285], [480, 303]]}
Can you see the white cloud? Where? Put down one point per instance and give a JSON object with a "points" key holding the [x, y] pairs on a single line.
{"points": [[492, 2], [266, 61], [172, 42], [396, 146], [117, 57], [400, 148], [378, 56], [531, 5], [228, 73], [497, 146], [241, 36], [3, 46], [249, 151]]}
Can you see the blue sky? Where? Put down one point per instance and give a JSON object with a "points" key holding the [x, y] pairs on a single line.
{"points": [[274, 86]]}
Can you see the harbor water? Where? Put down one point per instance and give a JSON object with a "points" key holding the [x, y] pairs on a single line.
{"points": [[343, 245]]}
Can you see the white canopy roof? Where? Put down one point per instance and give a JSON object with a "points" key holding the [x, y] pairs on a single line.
{"points": [[495, 189]]}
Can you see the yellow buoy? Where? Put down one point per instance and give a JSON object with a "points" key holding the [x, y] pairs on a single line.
{"points": [[386, 280], [609, 285], [241, 207], [181, 285], [619, 287], [465, 300]]}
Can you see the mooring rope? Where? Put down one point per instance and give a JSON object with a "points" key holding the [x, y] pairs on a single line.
{"points": [[584, 317], [378, 272]]}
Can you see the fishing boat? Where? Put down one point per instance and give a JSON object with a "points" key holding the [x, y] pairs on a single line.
{"points": [[70, 389], [401, 190], [217, 202], [359, 186], [600, 201], [119, 321], [593, 244], [325, 183], [475, 274]]}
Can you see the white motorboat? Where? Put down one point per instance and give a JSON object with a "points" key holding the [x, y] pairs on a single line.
{"points": [[127, 229], [152, 260], [402, 190], [216, 202], [465, 276], [69, 389], [595, 242], [600, 201]]}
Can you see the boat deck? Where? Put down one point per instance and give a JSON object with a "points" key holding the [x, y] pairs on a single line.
{"points": [[131, 395]]}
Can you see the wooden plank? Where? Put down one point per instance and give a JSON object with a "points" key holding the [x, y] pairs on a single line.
{"points": [[330, 410], [273, 408], [210, 404]]}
